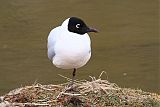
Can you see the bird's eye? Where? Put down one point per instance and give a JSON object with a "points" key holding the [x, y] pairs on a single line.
{"points": [[77, 25]]}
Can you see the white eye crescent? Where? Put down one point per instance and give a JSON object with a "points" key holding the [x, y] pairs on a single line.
{"points": [[77, 25]]}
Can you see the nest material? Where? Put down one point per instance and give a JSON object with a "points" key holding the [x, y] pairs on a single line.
{"points": [[97, 93]]}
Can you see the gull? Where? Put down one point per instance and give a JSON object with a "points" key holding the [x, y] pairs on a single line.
{"points": [[69, 45]]}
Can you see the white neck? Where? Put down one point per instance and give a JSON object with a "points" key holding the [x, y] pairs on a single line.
{"points": [[65, 23]]}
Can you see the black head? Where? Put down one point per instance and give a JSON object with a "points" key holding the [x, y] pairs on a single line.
{"points": [[77, 25]]}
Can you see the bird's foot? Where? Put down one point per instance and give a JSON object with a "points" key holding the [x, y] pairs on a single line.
{"points": [[71, 88]]}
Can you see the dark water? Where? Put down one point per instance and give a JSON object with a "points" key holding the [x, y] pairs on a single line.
{"points": [[126, 47]]}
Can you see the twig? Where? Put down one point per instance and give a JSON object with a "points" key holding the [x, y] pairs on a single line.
{"points": [[29, 104], [70, 94], [101, 74], [70, 80]]}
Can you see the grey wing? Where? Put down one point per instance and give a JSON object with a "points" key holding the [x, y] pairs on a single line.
{"points": [[51, 42]]}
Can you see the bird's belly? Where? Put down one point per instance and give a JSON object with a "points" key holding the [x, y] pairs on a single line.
{"points": [[72, 52], [71, 58]]}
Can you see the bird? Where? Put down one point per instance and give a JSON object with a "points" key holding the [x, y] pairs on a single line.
{"points": [[69, 45]]}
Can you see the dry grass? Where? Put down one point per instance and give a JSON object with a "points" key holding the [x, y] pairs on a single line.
{"points": [[94, 93]]}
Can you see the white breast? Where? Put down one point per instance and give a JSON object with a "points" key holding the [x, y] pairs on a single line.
{"points": [[72, 50]]}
